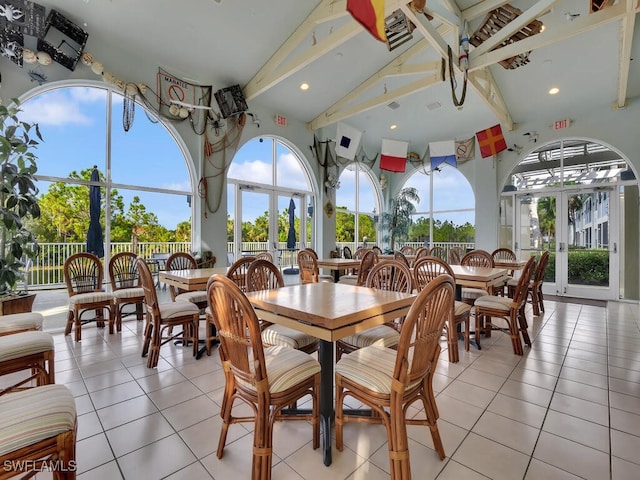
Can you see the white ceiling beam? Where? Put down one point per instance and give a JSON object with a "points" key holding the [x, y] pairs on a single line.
{"points": [[398, 66], [270, 74], [506, 32], [483, 82], [491, 96], [627, 26], [327, 119], [579, 25], [442, 14]]}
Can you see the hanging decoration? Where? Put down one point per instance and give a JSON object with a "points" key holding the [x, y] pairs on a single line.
{"points": [[463, 63]]}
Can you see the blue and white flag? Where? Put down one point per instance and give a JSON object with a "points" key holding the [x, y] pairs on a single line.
{"points": [[347, 141], [442, 152]]}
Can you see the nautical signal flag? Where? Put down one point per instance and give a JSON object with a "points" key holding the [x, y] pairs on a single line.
{"points": [[465, 149], [442, 152], [491, 141], [370, 14], [393, 155], [347, 141]]}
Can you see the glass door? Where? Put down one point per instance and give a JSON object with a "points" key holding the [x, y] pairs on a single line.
{"points": [[579, 227], [589, 247], [253, 223]]}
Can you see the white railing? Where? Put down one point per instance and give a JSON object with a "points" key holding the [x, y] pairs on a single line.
{"points": [[46, 270]]}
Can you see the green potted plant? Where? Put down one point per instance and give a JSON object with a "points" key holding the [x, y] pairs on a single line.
{"points": [[396, 222], [18, 202]]}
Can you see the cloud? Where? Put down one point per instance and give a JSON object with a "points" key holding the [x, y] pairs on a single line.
{"points": [[256, 170], [55, 108], [181, 186]]}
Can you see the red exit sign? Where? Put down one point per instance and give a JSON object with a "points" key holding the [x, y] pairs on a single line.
{"points": [[561, 124], [280, 120]]}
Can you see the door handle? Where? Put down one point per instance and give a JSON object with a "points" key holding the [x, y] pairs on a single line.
{"points": [[561, 247]]}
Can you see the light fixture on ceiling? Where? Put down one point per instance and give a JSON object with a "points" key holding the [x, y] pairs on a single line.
{"points": [[553, 90], [570, 17], [393, 127], [543, 28], [304, 86]]}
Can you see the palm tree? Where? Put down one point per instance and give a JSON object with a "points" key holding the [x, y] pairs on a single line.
{"points": [[546, 210], [396, 223]]}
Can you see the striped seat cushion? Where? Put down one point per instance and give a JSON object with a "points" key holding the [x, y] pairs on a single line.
{"points": [[21, 321], [124, 293], [494, 302], [177, 309], [33, 415], [372, 367], [193, 297], [89, 297], [460, 308], [277, 335], [286, 367], [473, 293], [23, 344], [349, 279], [382, 335]]}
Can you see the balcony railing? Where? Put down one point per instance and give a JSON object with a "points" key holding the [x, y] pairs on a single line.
{"points": [[46, 270]]}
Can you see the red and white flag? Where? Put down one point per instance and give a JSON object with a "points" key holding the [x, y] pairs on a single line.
{"points": [[393, 155]]}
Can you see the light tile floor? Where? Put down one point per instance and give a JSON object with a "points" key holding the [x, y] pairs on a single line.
{"points": [[569, 408]]}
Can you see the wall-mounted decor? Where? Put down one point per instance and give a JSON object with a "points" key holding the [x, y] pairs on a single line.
{"points": [[328, 209], [69, 38], [231, 101]]}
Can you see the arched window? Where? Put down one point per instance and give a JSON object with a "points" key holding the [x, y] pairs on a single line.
{"points": [[265, 180], [357, 198], [144, 171], [446, 213]]}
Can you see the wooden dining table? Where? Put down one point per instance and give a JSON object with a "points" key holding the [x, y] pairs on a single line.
{"points": [[337, 264], [329, 312], [478, 277], [190, 279]]}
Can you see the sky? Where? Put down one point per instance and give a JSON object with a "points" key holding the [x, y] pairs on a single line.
{"points": [[73, 123]]}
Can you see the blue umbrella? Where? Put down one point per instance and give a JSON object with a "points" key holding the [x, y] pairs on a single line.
{"points": [[95, 244], [291, 236]]}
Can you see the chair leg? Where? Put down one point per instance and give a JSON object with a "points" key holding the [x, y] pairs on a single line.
{"points": [[339, 422], [154, 353], [100, 318], [118, 310], [78, 325], [262, 448], [523, 327], [69, 325], [452, 341], [112, 317], [467, 332], [225, 411], [148, 330], [66, 455], [541, 298], [398, 441]]}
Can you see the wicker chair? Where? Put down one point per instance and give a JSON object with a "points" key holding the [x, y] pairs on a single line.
{"points": [[267, 378], [37, 430], [505, 255], [125, 285], [83, 275], [426, 270], [476, 258], [162, 317], [511, 310], [369, 259], [389, 381], [352, 276], [535, 285], [265, 256], [185, 261], [32, 351], [308, 265], [346, 253], [385, 275], [264, 275], [408, 250], [399, 256], [455, 255], [237, 273], [439, 252]]}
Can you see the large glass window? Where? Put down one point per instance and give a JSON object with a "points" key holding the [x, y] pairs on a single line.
{"points": [[268, 181], [446, 212], [143, 171], [357, 208]]}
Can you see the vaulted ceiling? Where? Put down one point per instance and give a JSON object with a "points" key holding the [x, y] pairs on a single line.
{"points": [[270, 48]]}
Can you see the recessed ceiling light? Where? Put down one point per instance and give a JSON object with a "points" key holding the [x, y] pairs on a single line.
{"points": [[542, 28], [553, 90], [304, 86], [393, 127]]}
